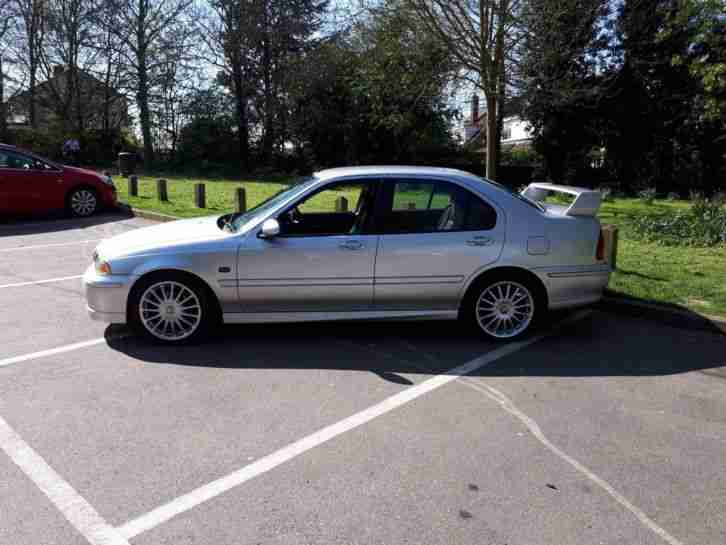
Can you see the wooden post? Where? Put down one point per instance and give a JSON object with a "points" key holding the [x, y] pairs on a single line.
{"points": [[133, 186], [161, 190], [610, 236], [200, 197], [240, 199], [341, 204], [412, 206]]}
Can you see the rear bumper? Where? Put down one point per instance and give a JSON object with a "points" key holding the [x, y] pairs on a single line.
{"points": [[106, 296], [575, 286]]}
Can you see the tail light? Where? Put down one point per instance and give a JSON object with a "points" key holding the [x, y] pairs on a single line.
{"points": [[600, 252]]}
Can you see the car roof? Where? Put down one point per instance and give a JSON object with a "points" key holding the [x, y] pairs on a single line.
{"points": [[390, 170]]}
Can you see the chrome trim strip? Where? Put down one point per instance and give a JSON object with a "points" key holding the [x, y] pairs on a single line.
{"points": [[577, 274], [281, 317]]}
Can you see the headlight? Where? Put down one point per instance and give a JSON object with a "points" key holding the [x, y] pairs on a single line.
{"points": [[106, 178], [102, 267]]}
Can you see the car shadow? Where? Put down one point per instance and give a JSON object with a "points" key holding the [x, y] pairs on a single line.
{"points": [[666, 313], [54, 222], [601, 344]]}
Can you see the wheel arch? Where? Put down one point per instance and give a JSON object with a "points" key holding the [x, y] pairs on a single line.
{"points": [[165, 274], [508, 273]]}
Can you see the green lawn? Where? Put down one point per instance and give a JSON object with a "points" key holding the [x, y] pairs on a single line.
{"points": [[691, 277]]}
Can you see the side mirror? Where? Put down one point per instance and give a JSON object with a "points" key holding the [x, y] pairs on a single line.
{"points": [[270, 229]]}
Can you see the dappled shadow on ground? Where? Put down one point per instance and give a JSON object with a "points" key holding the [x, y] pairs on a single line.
{"points": [[600, 344], [56, 222], [666, 313]]}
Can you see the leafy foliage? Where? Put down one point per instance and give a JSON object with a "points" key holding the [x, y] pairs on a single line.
{"points": [[703, 225]]}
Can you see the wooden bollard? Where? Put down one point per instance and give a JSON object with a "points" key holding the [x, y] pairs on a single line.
{"points": [[133, 186], [200, 196], [341, 204], [161, 190], [610, 237], [240, 199]]}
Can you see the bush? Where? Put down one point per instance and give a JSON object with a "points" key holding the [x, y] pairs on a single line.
{"points": [[607, 194], [703, 225], [647, 196]]}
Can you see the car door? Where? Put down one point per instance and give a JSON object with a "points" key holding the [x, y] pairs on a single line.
{"points": [[323, 258], [28, 184], [434, 235]]}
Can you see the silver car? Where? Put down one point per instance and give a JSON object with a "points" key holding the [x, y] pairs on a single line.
{"points": [[359, 243]]}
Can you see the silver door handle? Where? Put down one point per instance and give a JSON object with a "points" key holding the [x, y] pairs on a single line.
{"points": [[480, 241], [351, 245]]}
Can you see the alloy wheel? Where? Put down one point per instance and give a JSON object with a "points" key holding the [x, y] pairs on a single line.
{"points": [[505, 309], [83, 202], [170, 311]]}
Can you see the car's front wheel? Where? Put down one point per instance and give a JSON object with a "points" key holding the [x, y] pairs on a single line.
{"points": [[82, 202], [504, 310], [171, 310]]}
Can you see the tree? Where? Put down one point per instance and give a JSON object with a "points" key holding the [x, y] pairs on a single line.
{"points": [[67, 54], [706, 53], [376, 93], [480, 34], [563, 81], [32, 15], [228, 31], [4, 28], [149, 32]]}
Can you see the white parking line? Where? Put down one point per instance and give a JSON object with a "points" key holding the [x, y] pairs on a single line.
{"points": [[208, 491], [50, 352], [70, 503], [534, 428], [19, 248], [18, 284]]}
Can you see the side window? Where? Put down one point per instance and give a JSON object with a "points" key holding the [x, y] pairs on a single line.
{"points": [[430, 207], [10, 159], [338, 209]]}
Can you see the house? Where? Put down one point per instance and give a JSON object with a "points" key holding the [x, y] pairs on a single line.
{"points": [[57, 105], [515, 130]]}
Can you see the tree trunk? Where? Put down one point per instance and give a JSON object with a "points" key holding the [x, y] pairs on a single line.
{"points": [[492, 137], [31, 92], [3, 111], [268, 137], [240, 102], [142, 98]]}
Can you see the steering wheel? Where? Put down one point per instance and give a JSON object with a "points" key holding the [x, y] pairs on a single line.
{"points": [[295, 215]]}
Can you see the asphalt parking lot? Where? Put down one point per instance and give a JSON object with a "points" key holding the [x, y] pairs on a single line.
{"points": [[603, 429]]}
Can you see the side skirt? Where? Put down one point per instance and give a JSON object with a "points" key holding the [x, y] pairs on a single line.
{"points": [[280, 317]]}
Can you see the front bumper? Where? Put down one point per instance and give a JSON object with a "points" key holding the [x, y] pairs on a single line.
{"points": [[106, 296]]}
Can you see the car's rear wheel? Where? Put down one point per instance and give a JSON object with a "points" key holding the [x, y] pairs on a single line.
{"points": [[504, 310], [82, 202], [171, 310]]}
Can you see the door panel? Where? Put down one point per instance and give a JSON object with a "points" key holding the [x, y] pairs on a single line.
{"points": [[435, 235], [427, 271], [333, 273], [29, 185], [323, 259]]}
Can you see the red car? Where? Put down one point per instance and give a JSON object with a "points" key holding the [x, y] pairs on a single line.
{"points": [[29, 184]]}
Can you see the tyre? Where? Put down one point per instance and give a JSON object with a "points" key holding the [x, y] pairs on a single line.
{"points": [[171, 309], [504, 309], [82, 202]]}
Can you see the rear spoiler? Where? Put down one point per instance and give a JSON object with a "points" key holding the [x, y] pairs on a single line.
{"points": [[586, 203]]}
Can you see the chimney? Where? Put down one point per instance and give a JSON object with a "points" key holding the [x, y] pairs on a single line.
{"points": [[475, 110], [58, 70]]}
